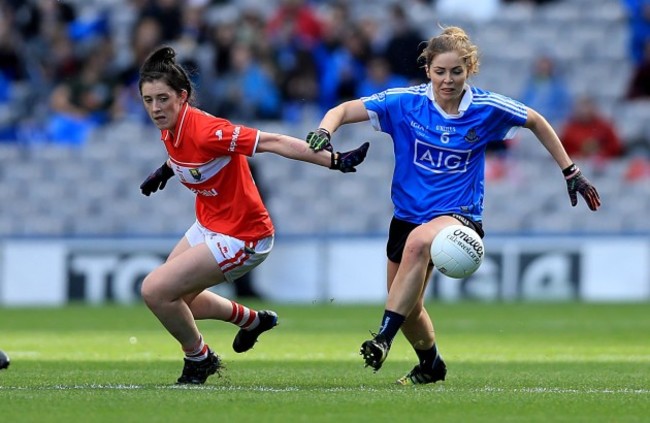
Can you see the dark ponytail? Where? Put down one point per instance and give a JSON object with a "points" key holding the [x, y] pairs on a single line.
{"points": [[161, 65]]}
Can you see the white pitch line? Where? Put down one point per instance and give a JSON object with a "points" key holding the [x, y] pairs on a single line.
{"points": [[487, 389]]}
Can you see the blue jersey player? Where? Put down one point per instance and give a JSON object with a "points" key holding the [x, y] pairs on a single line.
{"points": [[440, 131]]}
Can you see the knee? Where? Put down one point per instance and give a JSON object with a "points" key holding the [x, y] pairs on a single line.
{"points": [[150, 295], [417, 246]]}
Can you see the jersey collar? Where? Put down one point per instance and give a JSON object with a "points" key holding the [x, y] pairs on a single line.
{"points": [[465, 102], [177, 135]]}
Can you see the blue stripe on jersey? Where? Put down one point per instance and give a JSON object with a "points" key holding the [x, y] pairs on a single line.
{"points": [[439, 160]]}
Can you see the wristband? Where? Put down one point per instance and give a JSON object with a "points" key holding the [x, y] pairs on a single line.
{"points": [[570, 170], [327, 133], [334, 160], [167, 171]]}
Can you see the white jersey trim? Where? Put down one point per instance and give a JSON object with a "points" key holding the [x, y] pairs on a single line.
{"points": [[177, 141], [502, 103], [374, 120], [257, 140]]}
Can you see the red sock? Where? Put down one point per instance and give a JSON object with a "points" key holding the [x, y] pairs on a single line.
{"points": [[200, 352], [243, 316]]}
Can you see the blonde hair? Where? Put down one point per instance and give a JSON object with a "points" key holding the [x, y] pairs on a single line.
{"points": [[452, 38]]}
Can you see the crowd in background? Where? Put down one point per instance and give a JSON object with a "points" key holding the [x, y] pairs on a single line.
{"points": [[67, 68], [65, 72]]}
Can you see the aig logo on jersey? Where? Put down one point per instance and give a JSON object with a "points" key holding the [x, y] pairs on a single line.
{"points": [[440, 160]]}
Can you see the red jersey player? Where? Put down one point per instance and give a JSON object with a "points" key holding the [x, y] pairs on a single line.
{"points": [[233, 232]]}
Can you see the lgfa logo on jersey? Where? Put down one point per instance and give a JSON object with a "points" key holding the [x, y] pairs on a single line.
{"points": [[196, 174]]}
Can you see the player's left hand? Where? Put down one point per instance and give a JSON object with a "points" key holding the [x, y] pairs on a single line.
{"points": [[576, 183], [319, 140], [348, 161]]}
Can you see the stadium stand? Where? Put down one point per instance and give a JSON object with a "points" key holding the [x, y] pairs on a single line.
{"points": [[92, 189]]}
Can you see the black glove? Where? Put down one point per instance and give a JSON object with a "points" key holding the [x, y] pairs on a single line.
{"points": [[319, 140], [577, 183], [347, 161], [157, 180]]}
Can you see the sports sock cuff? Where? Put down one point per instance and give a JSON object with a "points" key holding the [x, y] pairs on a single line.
{"points": [[390, 325], [199, 349]]}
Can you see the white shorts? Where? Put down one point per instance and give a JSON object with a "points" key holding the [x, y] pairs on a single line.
{"points": [[234, 257]]}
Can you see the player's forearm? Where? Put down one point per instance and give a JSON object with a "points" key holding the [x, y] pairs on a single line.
{"points": [[333, 119], [554, 146], [292, 148], [348, 112]]}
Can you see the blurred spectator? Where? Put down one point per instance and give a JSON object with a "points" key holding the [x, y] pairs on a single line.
{"points": [[147, 35], [403, 46], [342, 67], [638, 14], [8, 119], [62, 63], [378, 78], [251, 28], [299, 86], [222, 39], [194, 28], [169, 13], [89, 29], [247, 91], [336, 22], [12, 76], [294, 30], [84, 102], [294, 20], [587, 133], [12, 66], [39, 19], [546, 91], [640, 83]]}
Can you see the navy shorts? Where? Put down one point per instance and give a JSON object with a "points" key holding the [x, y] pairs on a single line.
{"points": [[400, 230]]}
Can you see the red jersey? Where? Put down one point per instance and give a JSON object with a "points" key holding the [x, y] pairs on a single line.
{"points": [[209, 156]]}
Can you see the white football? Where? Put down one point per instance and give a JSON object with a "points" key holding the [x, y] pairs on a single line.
{"points": [[457, 251]]}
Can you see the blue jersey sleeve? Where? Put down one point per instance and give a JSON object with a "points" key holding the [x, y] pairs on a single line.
{"points": [[505, 114], [378, 108]]}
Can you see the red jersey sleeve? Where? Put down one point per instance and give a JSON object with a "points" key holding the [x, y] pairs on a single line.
{"points": [[219, 137]]}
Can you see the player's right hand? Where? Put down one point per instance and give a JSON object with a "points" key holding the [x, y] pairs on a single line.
{"points": [[157, 180], [319, 139], [348, 161]]}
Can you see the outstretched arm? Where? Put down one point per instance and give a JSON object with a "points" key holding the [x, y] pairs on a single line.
{"points": [[348, 112], [352, 111], [549, 139], [294, 148], [576, 181]]}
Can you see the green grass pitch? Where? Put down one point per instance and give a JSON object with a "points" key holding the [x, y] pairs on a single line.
{"points": [[520, 362]]}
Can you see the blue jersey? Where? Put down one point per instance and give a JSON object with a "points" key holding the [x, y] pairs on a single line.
{"points": [[439, 158]]}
